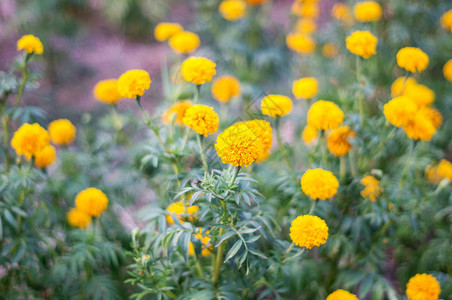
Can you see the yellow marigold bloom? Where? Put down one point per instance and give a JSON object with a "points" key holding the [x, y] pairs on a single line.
{"points": [[400, 110], [164, 30], [419, 94], [276, 105], [420, 127], [262, 130], [324, 115], [134, 83], [256, 2], [319, 184], [185, 42], [45, 157], [106, 91], [239, 145], [341, 295], [306, 26], [398, 86], [423, 287], [202, 119], [362, 43], [329, 50], [78, 218], [306, 9], [305, 87], [225, 87], [62, 132], [372, 188], [433, 115], [447, 70], [30, 139], [338, 140], [367, 11], [308, 231], [205, 240], [446, 20], [309, 135], [342, 13], [198, 70], [91, 201], [30, 44], [179, 109], [300, 43], [181, 211], [232, 10], [412, 59], [436, 174]]}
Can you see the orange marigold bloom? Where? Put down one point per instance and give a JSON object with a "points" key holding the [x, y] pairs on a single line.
{"points": [[400, 111], [338, 140], [319, 184], [276, 105], [412, 59], [329, 50], [165, 30], [423, 287], [367, 11], [419, 94], [256, 2], [306, 9], [106, 91], [45, 157], [341, 295], [447, 70], [262, 130], [134, 83], [372, 188], [232, 10], [400, 84], [225, 87], [30, 44], [341, 12], [181, 212], [308, 231], [185, 42], [78, 218], [179, 109], [306, 26], [300, 43], [324, 115], [30, 139], [433, 115], [62, 132], [204, 239], [446, 20], [202, 119], [362, 43], [420, 127], [198, 70], [91, 201], [309, 135], [306, 87]]}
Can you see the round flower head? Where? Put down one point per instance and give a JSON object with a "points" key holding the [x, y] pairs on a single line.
{"points": [[306, 26], [62, 132], [338, 140], [308, 231], [419, 94], [91, 201], [106, 91], [256, 2], [412, 59], [362, 43], [305, 9], [262, 130], [179, 109], [423, 287], [341, 295], [342, 13], [181, 212], [134, 83], [447, 70], [198, 70], [184, 42], [276, 105], [319, 184], [324, 115], [433, 115], [400, 84], [30, 139], [367, 11], [420, 127], [45, 157], [78, 218], [309, 135], [446, 20], [305, 87], [239, 145], [301, 43], [202, 119], [232, 10], [444, 169], [371, 189], [329, 50], [164, 31], [225, 87], [399, 111], [30, 44]]}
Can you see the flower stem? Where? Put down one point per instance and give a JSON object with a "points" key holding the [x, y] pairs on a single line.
{"points": [[199, 139], [236, 172], [360, 95], [282, 149], [343, 168], [219, 258], [314, 204], [323, 143], [405, 168], [21, 88]]}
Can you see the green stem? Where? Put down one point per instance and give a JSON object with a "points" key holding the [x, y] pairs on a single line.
{"points": [[21, 88], [281, 146], [197, 93], [360, 96], [236, 172], [198, 267], [323, 146], [351, 157], [199, 139], [219, 258], [314, 204], [405, 168], [343, 168]]}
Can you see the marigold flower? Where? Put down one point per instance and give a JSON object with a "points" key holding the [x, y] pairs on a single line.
{"points": [[239, 145], [30, 44], [446, 20], [308, 231], [78, 218], [367, 11], [276, 105], [319, 184], [62, 132], [202, 119], [412, 59], [423, 287], [329, 50], [400, 110], [342, 13], [205, 240], [435, 174], [419, 94], [179, 109], [262, 130], [433, 115], [300, 43], [447, 70], [198, 70], [134, 83], [372, 188], [181, 211], [91, 201], [185, 42], [400, 84], [165, 30], [305, 9], [306, 26], [338, 140], [309, 135], [256, 2], [225, 87], [45, 157], [362, 43], [420, 127], [232, 10], [106, 91], [305, 87], [30, 139], [324, 115], [341, 295]]}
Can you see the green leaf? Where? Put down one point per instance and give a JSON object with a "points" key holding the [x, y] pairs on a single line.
{"points": [[233, 251]]}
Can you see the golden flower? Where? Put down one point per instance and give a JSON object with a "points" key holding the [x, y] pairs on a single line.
{"points": [[412, 59], [305, 87], [338, 140], [134, 83], [309, 135], [362, 43], [185, 42], [308, 231], [342, 13], [419, 94], [256, 2], [62, 132], [436, 174], [91, 201], [106, 91], [198, 70], [204, 239], [306, 26], [179, 109], [202, 119], [262, 130], [239, 145], [420, 127], [319, 184], [300, 43], [276, 105], [232, 10], [400, 84], [164, 30], [341, 295], [78, 218], [372, 188], [225, 87], [30, 139], [400, 110], [446, 20], [447, 70], [45, 157], [181, 211], [329, 50], [423, 287], [324, 115], [30, 44], [367, 11], [306, 9], [433, 115]]}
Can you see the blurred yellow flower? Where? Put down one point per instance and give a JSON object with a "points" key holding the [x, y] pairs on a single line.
{"points": [[306, 87], [232, 10], [30, 139], [179, 109], [204, 238], [341, 295], [324, 115], [419, 94], [134, 83], [319, 184], [181, 211], [225, 87], [62, 132], [398, 86], [446, 20], [436, 174], [433, 115], [30, 44], [91, 201], [307, 9], [362, 43], [308, 231], [256, 2], [338, 140], [309, 135], [412, 59], [106, 91], [202, 119], [400, 110], [420, 127], [372, 188], [423, 287], [45, 157], [447, 70], [342, 13], [262, 130], [276, 105], [306, 26], [78, 218], [198, 70], [367, 11], [301, 43], [185, 42], [165, 30], [329, 50]]}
